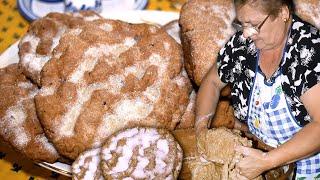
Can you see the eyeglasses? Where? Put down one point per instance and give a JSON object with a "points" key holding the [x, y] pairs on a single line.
{"points": [[253, 29]]}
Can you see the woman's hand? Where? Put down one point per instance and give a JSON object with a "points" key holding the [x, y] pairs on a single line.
{"points": [[254, 163]]}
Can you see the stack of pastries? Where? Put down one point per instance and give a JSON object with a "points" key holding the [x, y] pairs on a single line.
{"points": [[83, 80]]}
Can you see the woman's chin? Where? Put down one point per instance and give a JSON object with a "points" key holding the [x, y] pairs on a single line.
{"points": [[259, 44]]}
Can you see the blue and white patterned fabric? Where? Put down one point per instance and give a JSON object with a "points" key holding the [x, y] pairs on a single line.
{"points": [[270, 119]]}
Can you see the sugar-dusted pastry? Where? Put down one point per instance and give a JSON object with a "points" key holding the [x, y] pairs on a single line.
{"points": [[19, 125], [205, 28], [308, 10], [87, 166], [188, 118], [108, 75], [141, 153], [37, 45]]}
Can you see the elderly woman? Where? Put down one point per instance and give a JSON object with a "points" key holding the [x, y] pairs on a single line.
{"points": [[273, 66]]}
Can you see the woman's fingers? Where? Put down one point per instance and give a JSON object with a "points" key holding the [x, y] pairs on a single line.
{"points": [[241, 177], [246, 151], [243, 150]]}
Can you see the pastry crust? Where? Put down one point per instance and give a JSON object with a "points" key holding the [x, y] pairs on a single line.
{"points": [[19, 125], [205, 28], [37, 45], [309, 11], [141, 153], [108, 75]]}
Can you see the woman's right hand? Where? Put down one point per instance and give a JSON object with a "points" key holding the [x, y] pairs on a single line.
{"points": [[201, 128], [207, 98]]}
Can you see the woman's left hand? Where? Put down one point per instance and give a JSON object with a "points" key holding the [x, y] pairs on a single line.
{"points": [[254, 163]]}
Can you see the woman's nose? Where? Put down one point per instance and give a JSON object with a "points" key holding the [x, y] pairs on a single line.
{"points": [[249, 32]]}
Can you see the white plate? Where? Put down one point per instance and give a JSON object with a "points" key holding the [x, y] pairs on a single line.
{"points": [[10, 56], [33, 9]]}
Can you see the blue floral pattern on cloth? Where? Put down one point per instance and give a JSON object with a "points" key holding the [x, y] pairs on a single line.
{"points": [[80, 5]]}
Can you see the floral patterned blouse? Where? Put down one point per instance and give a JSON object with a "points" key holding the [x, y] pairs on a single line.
{"points": [[300, 68]]}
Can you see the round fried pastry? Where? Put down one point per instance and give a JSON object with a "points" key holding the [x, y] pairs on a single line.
{"points": [[107, 76], [37, 46], [87, 165], [141, 153], [19, 125]]}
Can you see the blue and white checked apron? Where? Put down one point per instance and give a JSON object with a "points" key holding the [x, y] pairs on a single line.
{"points": [[270, 119]]}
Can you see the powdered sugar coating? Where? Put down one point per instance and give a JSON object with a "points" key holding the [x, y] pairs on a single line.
{"points": [[13, 120], [36, 47], [106, 80], [188, 118], [141, 153], [205, 28], [309, 10], [19, 125], [87, 165], [31, 60]]}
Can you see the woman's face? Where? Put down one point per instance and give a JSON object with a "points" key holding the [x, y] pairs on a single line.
{"points": [[272, 32]]}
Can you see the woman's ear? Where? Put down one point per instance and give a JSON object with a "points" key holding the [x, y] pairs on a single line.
{"points": [[284, 13]]}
